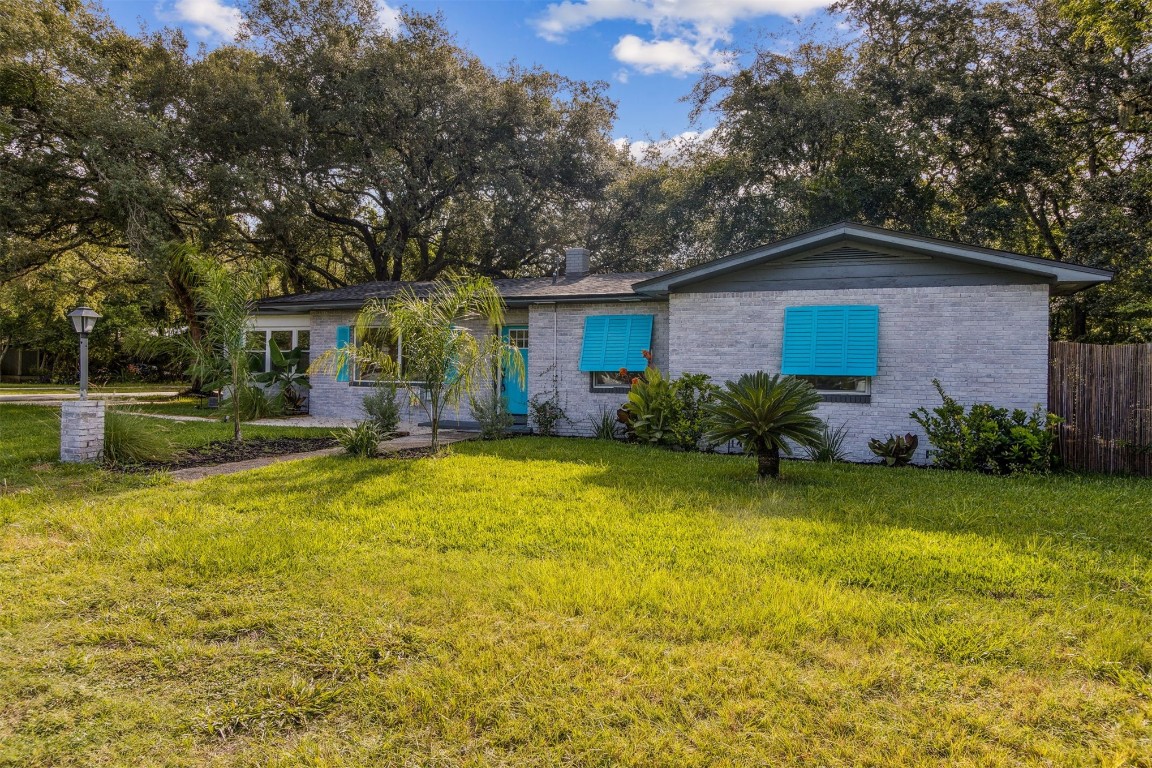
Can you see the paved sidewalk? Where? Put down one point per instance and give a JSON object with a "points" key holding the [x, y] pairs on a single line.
{"points": [[55, 398], [394, 445]]}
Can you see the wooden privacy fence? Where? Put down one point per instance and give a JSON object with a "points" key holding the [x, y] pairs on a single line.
{"points": [[1104, 395]]}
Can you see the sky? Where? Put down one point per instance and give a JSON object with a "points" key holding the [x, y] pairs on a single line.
{"points": [[650, 52]]}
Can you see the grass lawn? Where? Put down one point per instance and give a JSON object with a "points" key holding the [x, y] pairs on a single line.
{"points": [[179, 406], [564, 602]]}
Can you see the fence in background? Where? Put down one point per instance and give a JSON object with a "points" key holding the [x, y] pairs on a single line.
{"points": [[1104, 395]]}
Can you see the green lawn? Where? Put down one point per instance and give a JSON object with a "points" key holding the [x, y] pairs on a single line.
{"points": [[563, 602]]}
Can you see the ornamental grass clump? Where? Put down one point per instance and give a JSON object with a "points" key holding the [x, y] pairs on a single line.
{"points": [[361, 441], [131, 439], [766, 415]]}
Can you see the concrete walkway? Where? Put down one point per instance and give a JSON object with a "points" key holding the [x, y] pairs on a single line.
{"points": [[395, 445], [55, 398]]}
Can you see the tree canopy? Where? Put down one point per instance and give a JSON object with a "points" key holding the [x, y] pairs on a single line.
{"points": [[324, 148]]}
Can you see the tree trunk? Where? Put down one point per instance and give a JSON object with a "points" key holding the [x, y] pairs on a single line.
{"points": [[236, 436], [768, 463]]}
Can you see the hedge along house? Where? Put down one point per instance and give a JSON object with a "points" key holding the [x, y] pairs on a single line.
{"points": [[869, 316]]}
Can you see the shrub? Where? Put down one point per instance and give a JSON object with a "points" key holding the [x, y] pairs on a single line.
{"points": [[491, 412], [546, 413], [830, 447], [765, 413], [897, 450], [288, 379], [604, 425], [132, 439], [989, 439], [651, 407], [381, 409], [256, 404], [361, 441], [666, 411]]}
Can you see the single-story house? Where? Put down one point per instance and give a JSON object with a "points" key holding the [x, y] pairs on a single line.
{"points": [[870, 316]]}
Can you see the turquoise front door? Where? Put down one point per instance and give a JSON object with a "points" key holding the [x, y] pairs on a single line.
{"points": [[515, 391]]}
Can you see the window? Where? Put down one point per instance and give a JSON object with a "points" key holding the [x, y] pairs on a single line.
{"points": [[260, 352], [612, 344], [840, 385], [377, 338], [257, 345], [836, 348], [612, 381]]}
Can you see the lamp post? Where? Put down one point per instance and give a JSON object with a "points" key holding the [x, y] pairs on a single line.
{"points": [[83, 320]]}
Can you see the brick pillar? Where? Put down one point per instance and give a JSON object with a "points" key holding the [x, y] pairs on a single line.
{"points": [[81, 430]]}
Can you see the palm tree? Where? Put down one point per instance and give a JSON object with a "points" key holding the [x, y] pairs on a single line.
{"points": [[220, 357], [442, 361], [764, 413]]}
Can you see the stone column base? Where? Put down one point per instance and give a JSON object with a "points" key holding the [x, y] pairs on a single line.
{"points": [[81, 430]]}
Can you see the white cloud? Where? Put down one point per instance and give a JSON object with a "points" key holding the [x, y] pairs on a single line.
{"points": [[663, 149], [388, 16], [207, 17], [687, 35], [676, 56]]}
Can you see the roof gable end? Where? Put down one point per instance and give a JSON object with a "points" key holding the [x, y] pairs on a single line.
{"points": [[854, 250]]}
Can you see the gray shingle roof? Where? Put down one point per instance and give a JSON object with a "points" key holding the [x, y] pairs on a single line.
{"points": [[515, 291]]}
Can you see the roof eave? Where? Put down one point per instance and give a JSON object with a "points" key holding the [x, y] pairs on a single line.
{"points": [[512, 301]]}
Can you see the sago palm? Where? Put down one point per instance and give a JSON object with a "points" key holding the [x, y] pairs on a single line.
{"points": [[765, 413]]}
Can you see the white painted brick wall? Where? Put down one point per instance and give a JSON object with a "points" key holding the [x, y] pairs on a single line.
{"points": [[342, 399], [984, 343], [81, 430], [556, 333]]}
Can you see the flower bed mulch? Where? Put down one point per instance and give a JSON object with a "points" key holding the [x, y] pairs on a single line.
{"points": [[227, 451]]}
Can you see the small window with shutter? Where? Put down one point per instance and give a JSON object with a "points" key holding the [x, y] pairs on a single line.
{"points": [[835, 348]]}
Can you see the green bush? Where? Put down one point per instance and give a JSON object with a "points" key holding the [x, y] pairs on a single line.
{"points": [[132, 439], [491, 412], [668, 411], [256, 404], [988, 439], [830, 447], [361, 441], [767, 415], [604, 425], [896, 451], [546, 413], [381, 409]]}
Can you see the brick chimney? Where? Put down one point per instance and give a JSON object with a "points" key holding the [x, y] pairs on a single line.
{"points": [[576, 262]]}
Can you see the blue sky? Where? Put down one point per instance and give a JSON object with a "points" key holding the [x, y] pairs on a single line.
{"points": [[649, 51]]}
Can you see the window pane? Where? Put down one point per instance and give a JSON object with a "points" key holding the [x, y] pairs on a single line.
{"points": [[518, 337], [612, 379], [376, 339], [858, 384], [304, 339], [283, 340], [256, 341]]}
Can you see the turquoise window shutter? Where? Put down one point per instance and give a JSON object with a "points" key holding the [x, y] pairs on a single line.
{"points": [[612, 342], [343, 340], [831, 341], [799, 340]]}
